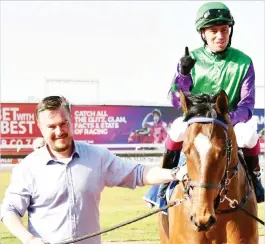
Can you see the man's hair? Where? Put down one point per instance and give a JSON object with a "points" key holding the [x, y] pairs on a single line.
{"points": [[52, 103]]}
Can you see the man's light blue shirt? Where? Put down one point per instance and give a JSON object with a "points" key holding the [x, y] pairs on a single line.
{"points": [[62, 199]]}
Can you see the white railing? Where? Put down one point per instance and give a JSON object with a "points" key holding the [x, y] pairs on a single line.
{"points": [[124, 150], [146, 151], [119, 149]]}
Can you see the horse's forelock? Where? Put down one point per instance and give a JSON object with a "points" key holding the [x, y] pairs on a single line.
{"points": [[203, 105]]}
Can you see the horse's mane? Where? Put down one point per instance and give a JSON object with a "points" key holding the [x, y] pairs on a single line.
{"points": [[203, 105]]}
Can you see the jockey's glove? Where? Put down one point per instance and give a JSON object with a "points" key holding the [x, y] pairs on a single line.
{"points": [[186, 63]]}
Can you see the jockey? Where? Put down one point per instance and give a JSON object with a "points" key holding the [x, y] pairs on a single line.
{"points": [[157, 128], [209, 69]]}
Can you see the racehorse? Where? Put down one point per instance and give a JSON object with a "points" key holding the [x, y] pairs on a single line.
{"points": [[216, 184]]}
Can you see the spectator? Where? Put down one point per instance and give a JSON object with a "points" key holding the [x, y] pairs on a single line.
{"points": [[60, 184]]}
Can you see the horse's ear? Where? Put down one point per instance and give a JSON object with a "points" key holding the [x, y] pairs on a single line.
{"points": [[184, 101], [222, 103]]}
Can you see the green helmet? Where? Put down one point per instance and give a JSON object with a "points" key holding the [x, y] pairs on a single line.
{"points": [[213, 13]]}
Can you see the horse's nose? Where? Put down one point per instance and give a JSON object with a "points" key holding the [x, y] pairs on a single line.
{"points": [[211, 221], [203, 223]]}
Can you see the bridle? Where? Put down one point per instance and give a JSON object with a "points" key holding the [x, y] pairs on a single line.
{"points": [[225, 181], [228, 149]]}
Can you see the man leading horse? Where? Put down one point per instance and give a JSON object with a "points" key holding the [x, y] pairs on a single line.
{"points": [[209, 69]]}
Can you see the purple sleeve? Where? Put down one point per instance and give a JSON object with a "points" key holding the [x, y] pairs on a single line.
{"points": [[120, 172], [245, 107], [180, 81]]}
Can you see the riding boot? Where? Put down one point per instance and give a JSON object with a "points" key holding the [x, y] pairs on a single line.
{"points": [[170, 161], [254, 170]]}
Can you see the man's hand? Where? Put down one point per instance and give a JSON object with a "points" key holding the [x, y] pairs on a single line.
{"points": [[186, 63]]}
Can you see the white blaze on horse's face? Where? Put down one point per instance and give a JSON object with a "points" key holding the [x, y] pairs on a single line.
{"points": [[202, 144]]}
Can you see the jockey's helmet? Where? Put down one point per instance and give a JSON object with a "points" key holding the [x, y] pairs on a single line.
{"points": [[212, 14], [157, 111]]}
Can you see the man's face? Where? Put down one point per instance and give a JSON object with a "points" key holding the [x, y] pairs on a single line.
{"points": [[217, 37], [56, 128]]}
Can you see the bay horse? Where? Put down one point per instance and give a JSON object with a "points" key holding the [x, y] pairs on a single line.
{"points": [[216, 182]]}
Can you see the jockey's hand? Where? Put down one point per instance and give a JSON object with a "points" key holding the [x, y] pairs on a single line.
{"points": [[186, 63]]}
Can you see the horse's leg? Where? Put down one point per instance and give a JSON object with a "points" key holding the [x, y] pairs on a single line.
{"points": [[163, 227]]}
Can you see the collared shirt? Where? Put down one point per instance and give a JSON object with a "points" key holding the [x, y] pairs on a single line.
{"points": [[62, 199]]}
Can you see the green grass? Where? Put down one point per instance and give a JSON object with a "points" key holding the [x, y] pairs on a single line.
{"points": [[117, 205]]}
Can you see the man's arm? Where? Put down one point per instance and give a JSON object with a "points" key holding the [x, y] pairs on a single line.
{"points": [[156, 175], [183, 82], [15, 204], [144, 123], [245, 107], [16, 227], [126, 173]]}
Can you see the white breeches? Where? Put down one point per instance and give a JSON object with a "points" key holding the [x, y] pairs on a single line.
{"points": [[246, 135]]}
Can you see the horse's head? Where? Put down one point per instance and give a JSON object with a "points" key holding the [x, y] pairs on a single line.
{"points": [[206, 147]]}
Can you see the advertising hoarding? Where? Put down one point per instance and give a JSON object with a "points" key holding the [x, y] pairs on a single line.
{"points": [[111, 124]]}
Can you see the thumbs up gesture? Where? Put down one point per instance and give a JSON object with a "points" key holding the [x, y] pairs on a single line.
{"points": [[186, 63]]}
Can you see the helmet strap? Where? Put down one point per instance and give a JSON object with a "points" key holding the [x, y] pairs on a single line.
{"points": [[230, 36], [205, 42]]}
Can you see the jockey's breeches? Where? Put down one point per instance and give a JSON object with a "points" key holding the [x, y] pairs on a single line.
{"points": [[247, 137]]}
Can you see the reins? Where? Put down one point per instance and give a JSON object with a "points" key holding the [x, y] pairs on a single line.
{"points": [[69, 241], [235, 207], [224, 186], [169, 205]]}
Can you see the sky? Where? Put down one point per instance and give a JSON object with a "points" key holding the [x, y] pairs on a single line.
{"points": [[110, 52]]}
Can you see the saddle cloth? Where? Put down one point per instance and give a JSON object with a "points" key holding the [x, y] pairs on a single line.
{"points": [[151, 196]]}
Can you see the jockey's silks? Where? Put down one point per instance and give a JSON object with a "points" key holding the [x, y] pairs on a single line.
{"points": [[216, 72]]}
